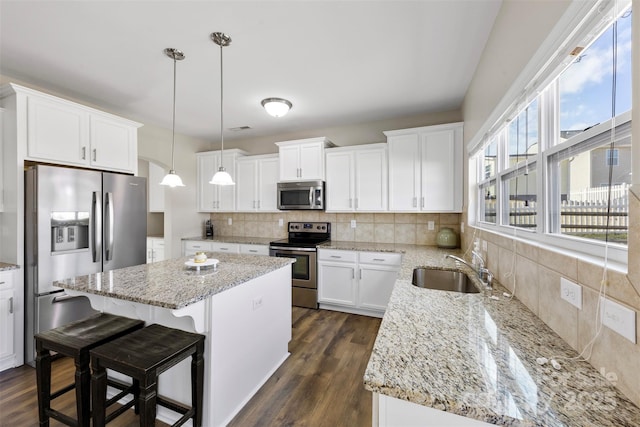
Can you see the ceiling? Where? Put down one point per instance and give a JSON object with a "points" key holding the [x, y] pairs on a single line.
{"points": [[338, 62]]}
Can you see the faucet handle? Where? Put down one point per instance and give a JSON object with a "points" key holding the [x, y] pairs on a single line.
{"points": [[486, 276]]}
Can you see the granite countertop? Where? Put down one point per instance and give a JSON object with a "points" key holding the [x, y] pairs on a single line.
{"points": [[173, 285], [474, 356], [234, 239], [6, 266]]}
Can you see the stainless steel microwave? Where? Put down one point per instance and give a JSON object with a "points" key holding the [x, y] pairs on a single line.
{"points": [[308, 195]]}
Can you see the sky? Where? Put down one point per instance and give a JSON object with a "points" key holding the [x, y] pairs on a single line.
{"points": [[586, 86]]}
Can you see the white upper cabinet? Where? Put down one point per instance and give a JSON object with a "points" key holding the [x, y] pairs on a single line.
{"points": [[63, 132], [357, 178], [156, 191], [256, 184], [425, 169], [216, 198], [302, 159]]}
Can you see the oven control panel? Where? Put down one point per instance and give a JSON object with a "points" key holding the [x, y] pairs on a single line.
{"points": [[310, 227]]}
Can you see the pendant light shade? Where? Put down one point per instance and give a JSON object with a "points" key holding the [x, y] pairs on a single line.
{"points": [[276, 107], [172, 179], [221, 177]]}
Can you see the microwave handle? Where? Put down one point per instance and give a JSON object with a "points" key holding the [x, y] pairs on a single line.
{"points": [[311, 191]]}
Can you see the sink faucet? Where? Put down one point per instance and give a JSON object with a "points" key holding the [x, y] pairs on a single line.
{"points": [[478, 265]]}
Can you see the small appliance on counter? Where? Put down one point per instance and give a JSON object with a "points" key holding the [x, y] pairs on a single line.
{"points": [[208, 229]]}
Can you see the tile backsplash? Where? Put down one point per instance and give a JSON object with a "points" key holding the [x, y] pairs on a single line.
{"points": [[410, 228]]}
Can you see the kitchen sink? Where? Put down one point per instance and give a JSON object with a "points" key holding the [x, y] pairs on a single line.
{"points": [[443, 280]]}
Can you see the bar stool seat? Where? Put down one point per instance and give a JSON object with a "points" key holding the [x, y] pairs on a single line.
{"points": [[75, 340], [143, 355]]}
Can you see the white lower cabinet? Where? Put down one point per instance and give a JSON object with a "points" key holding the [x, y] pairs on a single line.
{"points": [[356, 282], [8, 308], [391, 412], [155, 249]]}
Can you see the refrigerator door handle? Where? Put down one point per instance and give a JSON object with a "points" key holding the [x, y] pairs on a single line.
{"points": [[108, 253], [96, 215]]}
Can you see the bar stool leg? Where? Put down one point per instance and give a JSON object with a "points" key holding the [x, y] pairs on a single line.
{"points": [[147, 400], [43, 374], [99, 394], [83, 389], [197, 383]]}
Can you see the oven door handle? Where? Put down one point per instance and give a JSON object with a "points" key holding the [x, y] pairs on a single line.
{"points": [[287, 249]]}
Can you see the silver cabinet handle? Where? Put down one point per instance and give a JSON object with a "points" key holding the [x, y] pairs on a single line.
{"points": [[336, 256], [197, 247], [378, 259], [96, 216], [109, 223], [95, 154], [356, 203], [11, 305], [253, 250], [415, 202], [422, 202], [2, 283], [84, 153], [254, 204], [360, 275], [258, 204], [350, 204], [353, 273]]}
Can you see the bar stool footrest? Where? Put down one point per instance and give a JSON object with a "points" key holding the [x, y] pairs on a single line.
{"points": [[62, 391], [59, 416]]}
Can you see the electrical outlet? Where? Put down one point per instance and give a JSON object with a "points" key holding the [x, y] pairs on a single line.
{"points": [[281, 222], [618, 318], [431, 225], [230, 221], [257, 302], [484, 245], [353, 223], [462, 227], [571, 292]]}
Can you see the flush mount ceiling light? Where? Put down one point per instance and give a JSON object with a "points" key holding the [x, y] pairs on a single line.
{"points": [[221, 177], [277, 107], [172, 179]]}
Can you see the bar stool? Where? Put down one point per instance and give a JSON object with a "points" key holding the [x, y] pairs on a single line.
{"points": [[75, 340], [143, 355]]}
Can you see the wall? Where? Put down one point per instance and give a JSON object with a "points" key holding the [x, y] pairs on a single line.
{"points": [[535, 270], [155, 220], [402, 228], [356, 134]]}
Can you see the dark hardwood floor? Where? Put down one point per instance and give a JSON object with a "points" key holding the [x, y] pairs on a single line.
{"points": [[320, 384]]}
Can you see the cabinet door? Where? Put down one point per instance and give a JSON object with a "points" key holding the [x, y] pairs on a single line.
{"points": [[340, 181], [158, 254], [205, 192], [376, 284], [246, 185], [438, 171], [404, 173], [337, 283], [227, 193], [371, 180], [7, 319], [268, 170], [289, 163], [312, 161], [57, 131], [156, 191], [113, 144]]}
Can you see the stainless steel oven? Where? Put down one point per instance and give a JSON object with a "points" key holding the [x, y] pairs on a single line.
{"points": [[304, 238]]}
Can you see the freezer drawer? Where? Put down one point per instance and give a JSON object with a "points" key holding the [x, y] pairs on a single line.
{"points": [[59, 309]]}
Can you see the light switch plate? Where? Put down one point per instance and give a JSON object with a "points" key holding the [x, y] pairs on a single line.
{"points": [[353, 223], [431, 225], [618, 318], [571, 292], [281, 222]]}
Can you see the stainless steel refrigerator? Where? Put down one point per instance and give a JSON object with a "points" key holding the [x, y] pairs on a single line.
{"points": [[77, 222]]}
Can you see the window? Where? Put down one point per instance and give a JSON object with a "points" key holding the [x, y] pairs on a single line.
{"points": [[559, 165]]}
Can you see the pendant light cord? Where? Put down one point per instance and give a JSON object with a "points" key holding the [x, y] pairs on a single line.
{"points": [[173, 126], [221, 114]]}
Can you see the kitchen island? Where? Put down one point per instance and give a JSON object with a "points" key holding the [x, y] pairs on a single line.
{"points": [[243, 307]]}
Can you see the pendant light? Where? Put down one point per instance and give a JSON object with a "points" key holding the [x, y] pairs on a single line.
{"points": [[172, 179], [221, 177], [276, 107]]}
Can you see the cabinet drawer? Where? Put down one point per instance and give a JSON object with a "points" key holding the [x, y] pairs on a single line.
{"points": [[336, 255], [195, 245], [225, 247], [6, 279], [381, 258], [254, 249]]}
